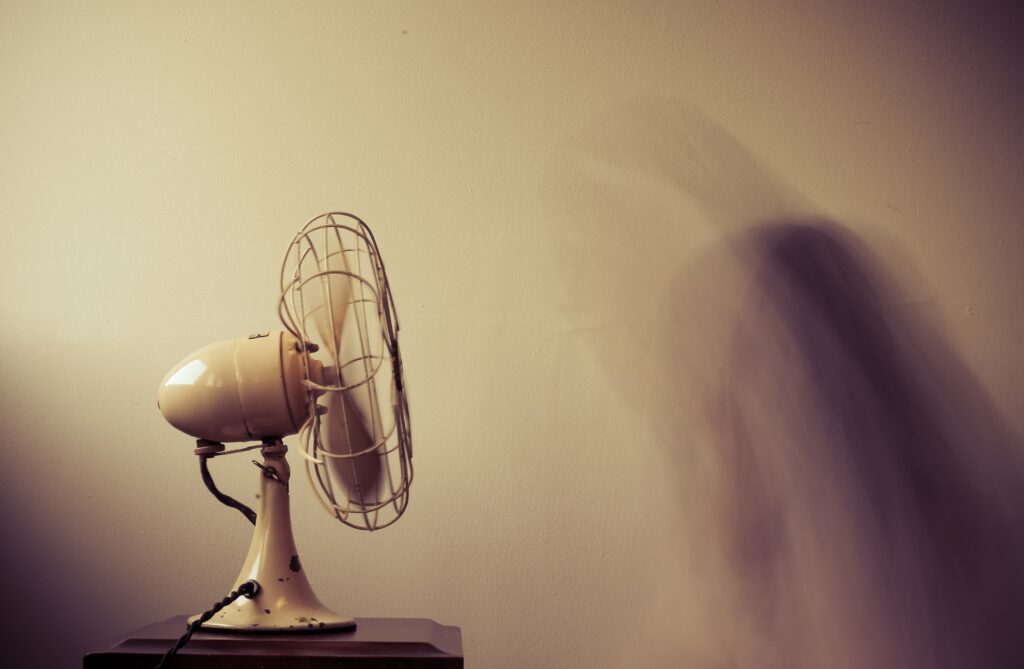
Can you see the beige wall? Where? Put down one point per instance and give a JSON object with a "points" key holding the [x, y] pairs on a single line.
{"points": [[565, 195]]}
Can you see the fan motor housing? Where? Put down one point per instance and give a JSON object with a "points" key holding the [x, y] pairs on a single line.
{"points": [[240, 389]]}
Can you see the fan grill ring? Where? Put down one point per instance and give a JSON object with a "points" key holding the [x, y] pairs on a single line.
{"points": [[356, 439]]}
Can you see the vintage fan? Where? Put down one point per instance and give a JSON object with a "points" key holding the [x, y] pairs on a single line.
{"points": [[335, 378]]}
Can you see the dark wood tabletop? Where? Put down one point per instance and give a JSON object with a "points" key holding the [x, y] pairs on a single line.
{"points": [[381, 643]]}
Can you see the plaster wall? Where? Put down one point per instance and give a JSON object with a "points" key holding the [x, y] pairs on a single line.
{"points": [[565, 195]]}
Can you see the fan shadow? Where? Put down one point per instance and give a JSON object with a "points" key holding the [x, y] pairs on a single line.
{"points": [[867, 489]]}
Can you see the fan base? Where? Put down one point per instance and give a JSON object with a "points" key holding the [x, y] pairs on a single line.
{"points": [[251, 619], [285, 601]]}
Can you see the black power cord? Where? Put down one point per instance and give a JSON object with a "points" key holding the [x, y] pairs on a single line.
{"points": [[204, 471], [206, 450], [248, 589]]}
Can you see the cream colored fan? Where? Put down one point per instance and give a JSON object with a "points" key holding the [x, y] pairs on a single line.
{"points": [[334, 377]]}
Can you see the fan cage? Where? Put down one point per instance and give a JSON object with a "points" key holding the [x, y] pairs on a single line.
{"points": [[338, 250]]}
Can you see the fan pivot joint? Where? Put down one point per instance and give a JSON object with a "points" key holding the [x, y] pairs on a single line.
{"points": [[207, 447]]}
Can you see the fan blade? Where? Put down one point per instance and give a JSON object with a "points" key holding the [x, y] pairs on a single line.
{"points": [[349, 326], [344, 434], [329, 299]]}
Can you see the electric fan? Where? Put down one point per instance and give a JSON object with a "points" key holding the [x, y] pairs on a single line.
{"points": [[334, 377]]}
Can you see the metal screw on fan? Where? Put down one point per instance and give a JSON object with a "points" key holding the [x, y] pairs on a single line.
{"points": [[335, 378]]}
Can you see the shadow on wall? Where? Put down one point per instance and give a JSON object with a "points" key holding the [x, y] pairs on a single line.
{"points": [[849, 496], [57, 604], [866, 491]]}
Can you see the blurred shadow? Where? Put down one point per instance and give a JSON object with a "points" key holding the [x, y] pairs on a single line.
{"points": [[868, 477], [848, 495], [58, 603]]}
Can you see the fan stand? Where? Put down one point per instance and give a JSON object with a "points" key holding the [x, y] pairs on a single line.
{"points": [[285, 602]]}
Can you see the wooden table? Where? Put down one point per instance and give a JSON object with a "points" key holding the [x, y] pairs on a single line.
{"points": [[381, 643]]}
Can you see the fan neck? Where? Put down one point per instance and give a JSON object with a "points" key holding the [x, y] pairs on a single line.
{"points": [[275, 465]]}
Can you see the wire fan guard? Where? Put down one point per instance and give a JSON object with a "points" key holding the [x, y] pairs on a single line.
{"points": [[356, 440]]}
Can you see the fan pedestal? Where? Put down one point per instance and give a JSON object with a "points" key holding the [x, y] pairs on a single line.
{"points": [[285, 602]]}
